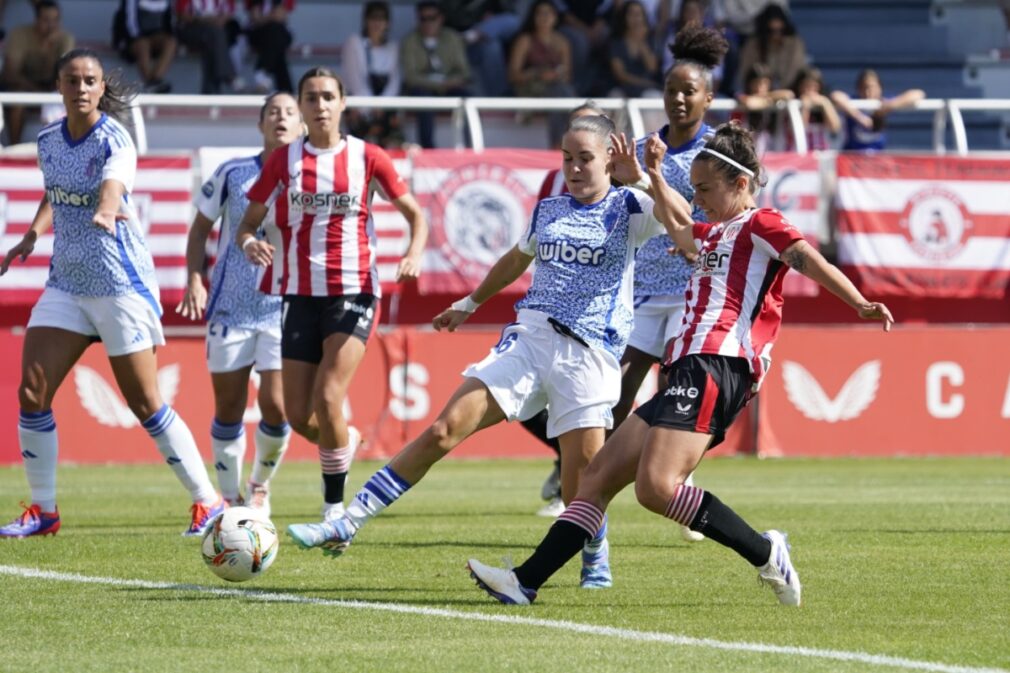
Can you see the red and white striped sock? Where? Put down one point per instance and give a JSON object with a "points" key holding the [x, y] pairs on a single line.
{"points": [[585, 515], [684, 505]]}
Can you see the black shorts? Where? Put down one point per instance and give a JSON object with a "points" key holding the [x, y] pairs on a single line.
{"points": [[704, 393], [307, 321]]}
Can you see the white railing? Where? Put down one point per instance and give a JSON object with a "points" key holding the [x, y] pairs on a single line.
{"points": [[466, 112]]}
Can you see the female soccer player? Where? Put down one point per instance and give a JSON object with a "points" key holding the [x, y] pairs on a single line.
{"points": [[734, 309], [561, 352], [321, 258], [243, 325], [101, 287]]}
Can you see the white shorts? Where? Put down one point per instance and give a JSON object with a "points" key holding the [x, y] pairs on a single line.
{"points": [[657, 320], [532, 367], [232, 348], [126, 324]]}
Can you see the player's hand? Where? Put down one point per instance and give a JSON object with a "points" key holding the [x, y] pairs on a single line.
{"points": [[259, 252], [449, 320], [409, 268], [623, 160], [106, 220], [874, 310], [21, 251], [194, 301], [655, 151], [689, 256]]}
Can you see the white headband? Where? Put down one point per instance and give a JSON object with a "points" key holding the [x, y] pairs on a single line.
{"points": [[743, 169]]}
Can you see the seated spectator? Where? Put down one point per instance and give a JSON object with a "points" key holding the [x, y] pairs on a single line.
{"points": [[487, 27], [433, 63], [759, 106], [634, 66], [540, 65], [819, 116], [371, 67], [209, 27], [30, 55], [144, 33], [776, 45], [586, 24], [270, 39], [695, 12], [865, 132]]}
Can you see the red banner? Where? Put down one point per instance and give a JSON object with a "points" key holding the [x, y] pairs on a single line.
{"points": [[925, 226]]}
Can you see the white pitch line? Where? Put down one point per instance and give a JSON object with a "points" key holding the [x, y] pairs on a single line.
{"points": [[559, 625]]}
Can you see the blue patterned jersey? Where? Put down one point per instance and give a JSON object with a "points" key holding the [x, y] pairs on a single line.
{"points": [[657, 272], [585, 260], [234, 296], [87, 260]]}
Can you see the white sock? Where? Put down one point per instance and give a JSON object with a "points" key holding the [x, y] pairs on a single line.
{"points": [[380, 491], [39, 448], [271, 443], [228, 442], [176, 444]]}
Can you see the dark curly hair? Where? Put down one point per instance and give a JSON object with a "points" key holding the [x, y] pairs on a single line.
{"points": [[737, 143], [118, 97], [700, 47]]}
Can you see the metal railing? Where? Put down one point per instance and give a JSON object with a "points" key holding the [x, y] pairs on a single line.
{"points": [[466, 112]]}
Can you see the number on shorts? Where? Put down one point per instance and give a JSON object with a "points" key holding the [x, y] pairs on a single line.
{"points": [[506, 342]]}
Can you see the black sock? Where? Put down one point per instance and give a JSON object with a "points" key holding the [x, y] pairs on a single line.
{"points": [[718, 522], [538, 428], [333, 487], [563, 541]]}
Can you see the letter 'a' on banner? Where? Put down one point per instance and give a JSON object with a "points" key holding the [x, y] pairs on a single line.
{"points": [[925, 226]]}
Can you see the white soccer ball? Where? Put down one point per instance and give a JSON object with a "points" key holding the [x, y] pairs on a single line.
{"points": [[239, 544]]}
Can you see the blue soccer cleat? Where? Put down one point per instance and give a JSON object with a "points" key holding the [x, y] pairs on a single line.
{"points": [[202, 515], [32, 521], [596, 569], [333, 537]]}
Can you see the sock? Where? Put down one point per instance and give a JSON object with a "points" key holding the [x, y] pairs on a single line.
{"points": [[335, 465], [271, 443], [576, 526], [538, 428], [228, 441], [39, 448], [380, 491], [701, 511], [596, 550], [175, 442]]}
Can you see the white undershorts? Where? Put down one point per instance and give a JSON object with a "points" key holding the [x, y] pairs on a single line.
{"points": [[126, 324], [533, 367], [233, 348], [657, 320]]}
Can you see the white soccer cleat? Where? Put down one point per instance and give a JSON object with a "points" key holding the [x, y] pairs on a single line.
{"points": [[553, 509], [500, 584], [259, 498], [689, 535], [333, 511], [779, 573]]}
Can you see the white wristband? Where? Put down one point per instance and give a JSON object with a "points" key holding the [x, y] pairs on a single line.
{"points": [[249, 241], [466, 304], [643, 184]]}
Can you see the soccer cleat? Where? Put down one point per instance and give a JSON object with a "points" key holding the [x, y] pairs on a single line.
{"points": [[689, 535], [779, 573], [596, 569], [32, 521], [553, 509], [333, 511], [259, 498], [552, 485], [333, 537], [202, 515], [500, 584]]}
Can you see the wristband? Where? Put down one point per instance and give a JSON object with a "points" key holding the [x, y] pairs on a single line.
{"points": [[248, 242], [466, 304], [643, 184]]}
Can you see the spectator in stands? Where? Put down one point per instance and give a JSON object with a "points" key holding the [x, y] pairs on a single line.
{"points": [[819, 116], [146, 35], [540, 65], [865, 132], [758, 106], [433, 63], [270, 39], [371, 67], [586, 24], [30, 56], [209, 27], [487, 27], [674, 15], [776, 45], [634, 65]]}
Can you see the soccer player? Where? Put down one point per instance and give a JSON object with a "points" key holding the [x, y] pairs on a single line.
{"points": [[714, 367], [101, 287], [320, 257], [561, 352], [243, 324]]}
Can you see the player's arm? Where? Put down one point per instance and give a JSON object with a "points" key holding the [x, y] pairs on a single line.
{"points": [[110, 197], [671, 208], [410, 265], [802, 257], [256, 251], [194, 300], [504, 272], [40, 225]]}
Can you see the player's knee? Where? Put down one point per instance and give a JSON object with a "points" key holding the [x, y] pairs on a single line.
{"points": [[653, 494], [301, 421], [441, 435]]}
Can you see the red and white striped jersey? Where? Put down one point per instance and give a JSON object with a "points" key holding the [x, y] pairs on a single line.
{"points": [[553, 185], [734, 299], [324, 241]]}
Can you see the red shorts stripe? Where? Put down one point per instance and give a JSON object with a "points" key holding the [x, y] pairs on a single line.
{"points": [[708, 401]]}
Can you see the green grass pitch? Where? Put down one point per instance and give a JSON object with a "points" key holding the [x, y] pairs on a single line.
{"points": [[907, 559]]}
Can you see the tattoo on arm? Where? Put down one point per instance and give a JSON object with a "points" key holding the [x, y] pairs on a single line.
{"points": [[796, 259]]}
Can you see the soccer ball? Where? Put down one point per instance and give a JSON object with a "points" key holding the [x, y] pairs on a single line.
{"points": [[239, 544]]}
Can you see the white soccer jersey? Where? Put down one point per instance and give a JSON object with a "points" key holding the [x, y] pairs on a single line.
{"points": [[585, 260], [87, 260]]}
